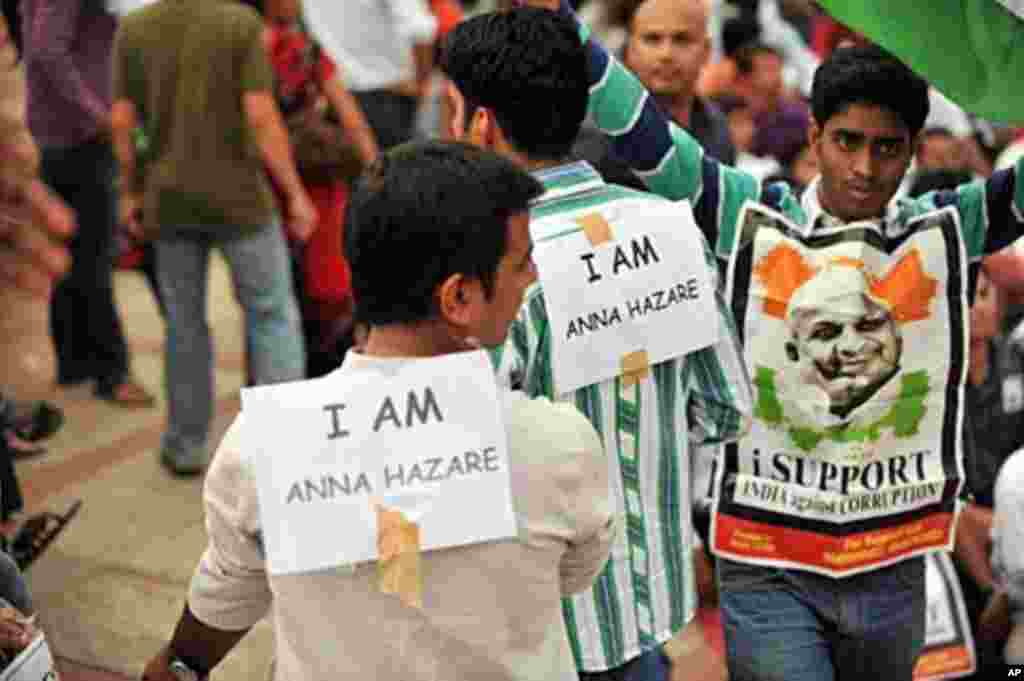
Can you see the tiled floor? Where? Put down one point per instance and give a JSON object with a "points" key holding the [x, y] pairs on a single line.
{"points": [[110, 588]]}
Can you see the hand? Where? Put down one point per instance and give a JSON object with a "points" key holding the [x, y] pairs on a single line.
{"points": [[995, 623], [130, 213], [33, 223], [302, 216], [692, 659], [16, 630]]}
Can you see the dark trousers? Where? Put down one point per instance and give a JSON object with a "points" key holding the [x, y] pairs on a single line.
{"points": [[84, 322], [390, 115]]}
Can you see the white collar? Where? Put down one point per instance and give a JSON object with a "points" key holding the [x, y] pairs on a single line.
{"points": [[815, 213]]}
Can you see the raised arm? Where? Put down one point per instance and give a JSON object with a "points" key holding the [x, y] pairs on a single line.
{"points": [[721, 400], [664, 156]]}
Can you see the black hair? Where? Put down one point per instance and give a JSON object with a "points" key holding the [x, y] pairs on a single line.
{"points": [[529, 68], [937, 180], [869, 75], [744, 56], [423, 212], [258, 5], [737, 32]]}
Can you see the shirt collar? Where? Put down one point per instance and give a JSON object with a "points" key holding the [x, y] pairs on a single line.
{"points": [[567, 180], [820, 220]]}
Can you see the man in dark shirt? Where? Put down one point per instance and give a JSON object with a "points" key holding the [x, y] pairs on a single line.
{"points": [[67, 47], [667, 45]]}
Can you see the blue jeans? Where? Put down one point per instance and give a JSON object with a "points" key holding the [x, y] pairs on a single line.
{"points": [[652, 665], [790, 625], [261, 275]]}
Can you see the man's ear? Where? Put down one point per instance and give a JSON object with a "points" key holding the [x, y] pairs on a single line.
{"points": [[456, 297], [814, 132], [454, 111], [485, 132]]}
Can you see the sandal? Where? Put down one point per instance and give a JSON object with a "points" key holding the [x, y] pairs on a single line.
{"points": [[40, 421], [37, 533], [21, 448]]}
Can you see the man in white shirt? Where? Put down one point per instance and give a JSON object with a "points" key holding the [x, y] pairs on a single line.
{"points": [[1003, 619], [432, 276], [385, 48]]}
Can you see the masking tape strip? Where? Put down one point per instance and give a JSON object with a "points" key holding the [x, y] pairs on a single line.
{"points": [[635, 366], [596, 228], [398, 561]]}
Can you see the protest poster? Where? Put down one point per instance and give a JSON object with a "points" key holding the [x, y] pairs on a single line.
{"points": [[630, 281], [331, 455], [856, 345], [948, 651]]}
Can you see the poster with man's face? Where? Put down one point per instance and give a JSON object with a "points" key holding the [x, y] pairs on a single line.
{"points": [[844, 339], [855, 344]]}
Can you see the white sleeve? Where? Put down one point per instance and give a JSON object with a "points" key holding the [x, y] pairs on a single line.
{"points": [[1008, 528], [229, 590], [944, 113], [414, 20]]}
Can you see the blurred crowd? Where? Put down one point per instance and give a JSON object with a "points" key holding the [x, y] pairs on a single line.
{"points": [[119, 178]]}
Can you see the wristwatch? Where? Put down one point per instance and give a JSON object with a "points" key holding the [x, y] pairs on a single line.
{"points": [[183, 672]]}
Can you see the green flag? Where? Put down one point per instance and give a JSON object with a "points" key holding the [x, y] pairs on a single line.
{"points": [[971, 50]]}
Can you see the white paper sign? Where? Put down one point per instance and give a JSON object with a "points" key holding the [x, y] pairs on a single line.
{"points": [[34, 663], [948, 645], [427, 439], [646, 289]]}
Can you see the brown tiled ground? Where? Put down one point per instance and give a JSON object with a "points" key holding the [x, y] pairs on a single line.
{"points": [[112, 585]]}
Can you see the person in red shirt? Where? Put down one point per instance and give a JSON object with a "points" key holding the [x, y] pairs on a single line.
{"points": [[305, 76]]}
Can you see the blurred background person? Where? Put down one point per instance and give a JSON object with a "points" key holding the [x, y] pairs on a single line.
{"points": [[206, 188], [386, 48], [310, 94], [67, 48]]}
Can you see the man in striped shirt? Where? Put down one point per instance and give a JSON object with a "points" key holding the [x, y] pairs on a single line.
{"points": [[518, 84], [868, 110]]}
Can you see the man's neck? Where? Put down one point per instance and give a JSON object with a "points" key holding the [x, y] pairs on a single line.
{"points": [[826, 206], [535, 165], [679, 107], [426, 339]]}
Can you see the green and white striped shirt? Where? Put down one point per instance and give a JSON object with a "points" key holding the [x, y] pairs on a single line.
{"points": [[646, 593]]}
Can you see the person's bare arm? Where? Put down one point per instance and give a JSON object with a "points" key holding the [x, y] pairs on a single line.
{"points": [[271, 137], [691, 657], [1006, 270], [352, 119], [973, 539], [33, 221], [423, 58], [123, 121], [995, 621], [199, 646]]}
